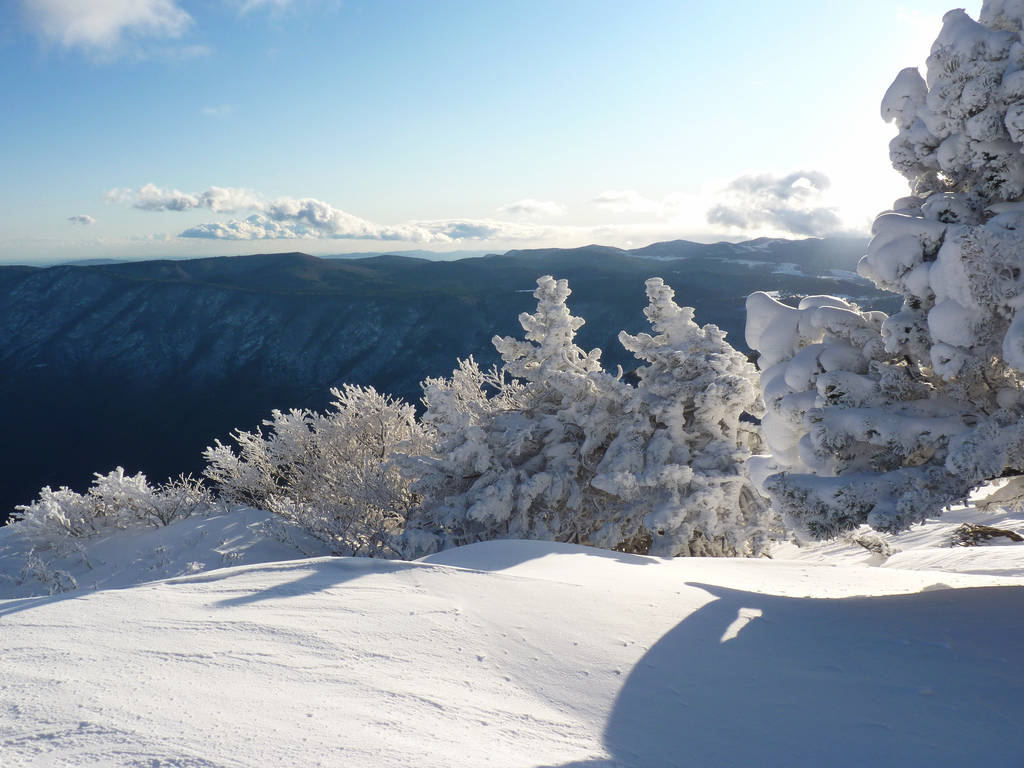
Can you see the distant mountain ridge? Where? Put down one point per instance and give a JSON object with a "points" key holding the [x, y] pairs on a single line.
{"points": [[810, 250], [813, 253], [145, 363]]}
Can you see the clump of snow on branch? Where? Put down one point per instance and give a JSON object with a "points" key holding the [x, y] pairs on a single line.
{"points": [[886, 420], [553, 447], [953, 249], [856, 434], [327, 472]]}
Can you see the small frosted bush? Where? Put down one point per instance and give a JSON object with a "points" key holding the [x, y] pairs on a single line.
{"points": [[113, 501], [329, 473]]}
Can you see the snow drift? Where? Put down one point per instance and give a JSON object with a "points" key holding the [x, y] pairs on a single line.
{"points": [[524, 654]]}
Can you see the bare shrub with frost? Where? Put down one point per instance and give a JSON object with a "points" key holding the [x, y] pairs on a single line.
{"points": [[113, 501], [56, 580], [327, 472]]}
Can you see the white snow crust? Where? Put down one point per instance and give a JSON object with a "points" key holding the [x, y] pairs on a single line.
{"points": [[517, 653]]}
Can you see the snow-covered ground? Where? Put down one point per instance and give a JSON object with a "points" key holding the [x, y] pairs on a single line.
{"points": [[121, 558], [515, 654]]}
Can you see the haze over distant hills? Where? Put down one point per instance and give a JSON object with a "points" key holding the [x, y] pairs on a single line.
{"points": [[143, 364], [416, 254]]}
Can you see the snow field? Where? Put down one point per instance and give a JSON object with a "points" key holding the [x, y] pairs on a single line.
{"points": [[521, 653]]}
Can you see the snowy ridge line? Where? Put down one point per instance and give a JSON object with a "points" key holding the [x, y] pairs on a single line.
{"points": [[343, 562], [682, 572], [351, 563]]}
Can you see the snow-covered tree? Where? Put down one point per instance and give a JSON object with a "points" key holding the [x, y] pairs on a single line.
{"points": [[553, 447], [328, 472], [681, 465], [514, 458], [887, 420], [458, 414], [549, 348]]}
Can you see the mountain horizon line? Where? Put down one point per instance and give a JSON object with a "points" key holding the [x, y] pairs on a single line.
{"points": [[430, 255]]}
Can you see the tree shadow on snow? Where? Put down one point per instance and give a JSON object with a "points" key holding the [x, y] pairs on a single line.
{"points": [[935, 679], [17, 604], [319, 575]]}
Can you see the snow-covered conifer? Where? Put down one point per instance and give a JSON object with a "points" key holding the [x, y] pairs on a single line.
{"points": [[568, 452], [903, 421], [549, 347], [682, 462], [855, 433], [459, 413], [514, 458]]}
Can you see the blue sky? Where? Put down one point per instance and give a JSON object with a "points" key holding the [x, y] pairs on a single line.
{"points": [[148, 128]]}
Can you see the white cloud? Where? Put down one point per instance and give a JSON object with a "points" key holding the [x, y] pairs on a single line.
{"points": [[529, 208], [309, 219], [83, 219], [229, 199], [290, 218], [455, 230], [256, 227], [151, 198], [101, 25], [218, 199], [244, 6], [316, 218], [624, 201], [118, 195], [632, 202], [337, 226], [221, 110], [750, 206], [787, 204]]}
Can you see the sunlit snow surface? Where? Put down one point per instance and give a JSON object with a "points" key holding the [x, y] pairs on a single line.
{"points": [[524, 654]]}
